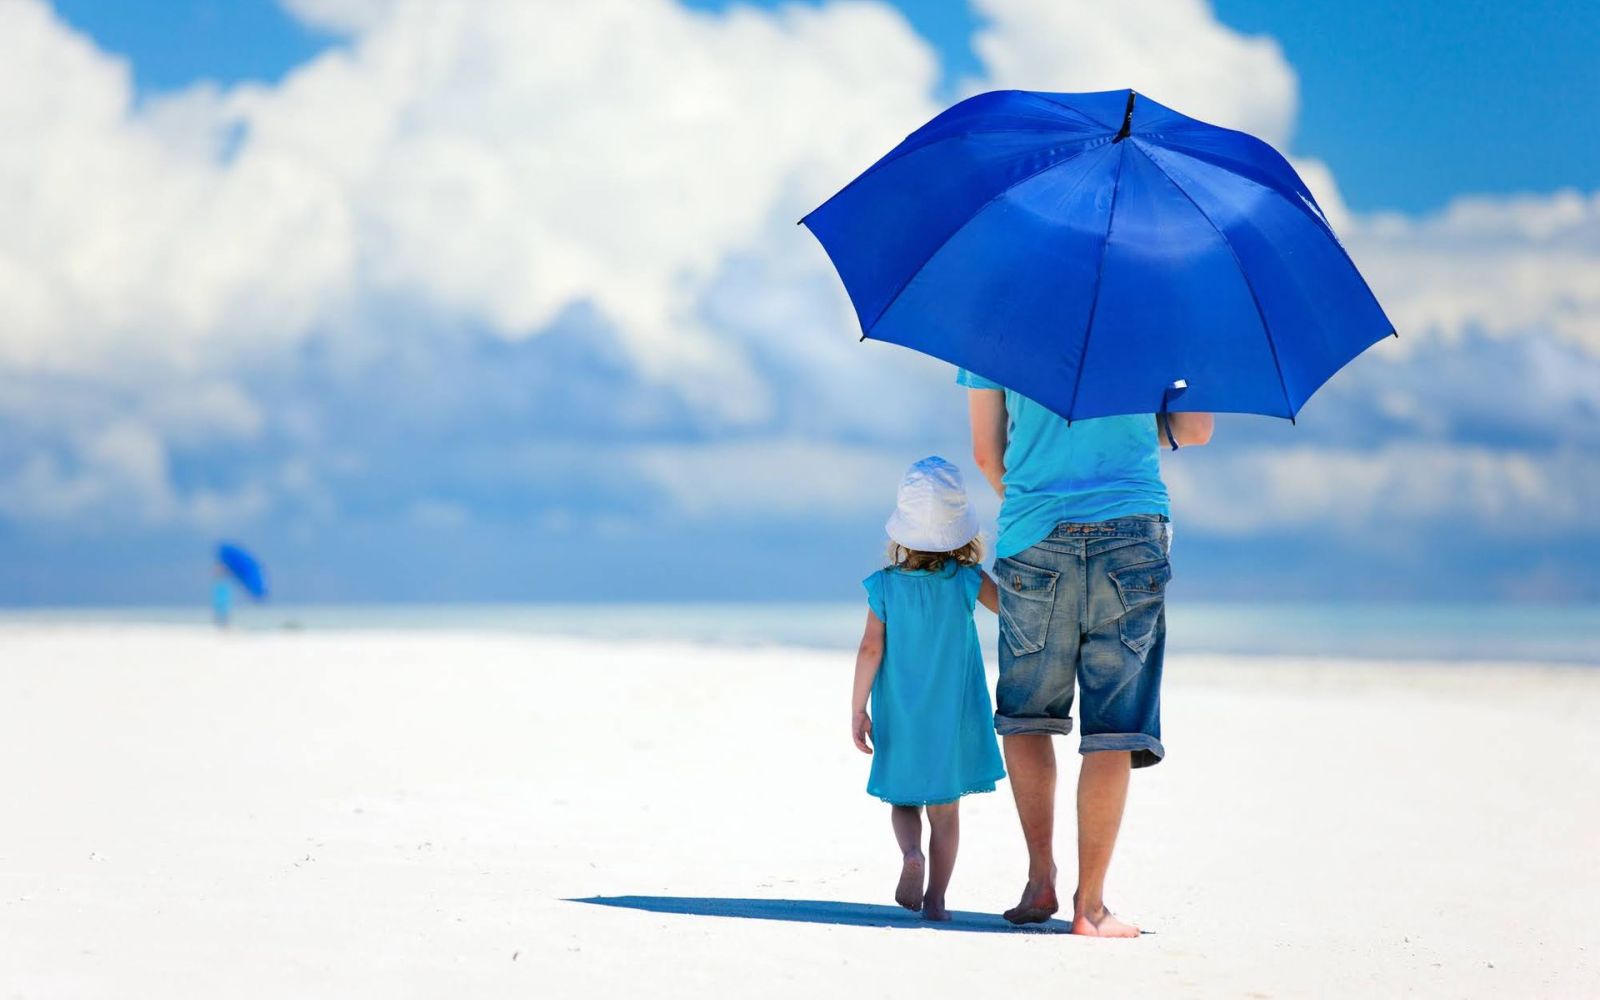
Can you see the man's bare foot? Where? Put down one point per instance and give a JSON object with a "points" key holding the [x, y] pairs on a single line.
{"points": [[933, 909], [1038, 902], [909, 892], [1102, 924]]}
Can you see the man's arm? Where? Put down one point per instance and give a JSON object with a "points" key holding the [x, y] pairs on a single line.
{"points": [[987, 410], [1189, 428]]}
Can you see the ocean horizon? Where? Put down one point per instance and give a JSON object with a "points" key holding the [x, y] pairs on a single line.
{"points": [[1468, 632]]}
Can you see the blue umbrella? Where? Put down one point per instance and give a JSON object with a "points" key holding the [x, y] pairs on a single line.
{"points": [[1097, 252], [244, 567]]}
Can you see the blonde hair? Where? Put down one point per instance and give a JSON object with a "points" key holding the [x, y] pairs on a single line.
{"points": [[900, 557]]}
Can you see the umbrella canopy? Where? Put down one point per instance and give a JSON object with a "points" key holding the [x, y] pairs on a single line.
{"points": [[244, 567], [1090, 251]]}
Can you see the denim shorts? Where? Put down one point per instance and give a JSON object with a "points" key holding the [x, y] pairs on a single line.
{"points": [[1086, 607]]}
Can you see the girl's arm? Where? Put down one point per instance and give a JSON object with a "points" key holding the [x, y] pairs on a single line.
{"points": [[989, 594], [868, 658]]}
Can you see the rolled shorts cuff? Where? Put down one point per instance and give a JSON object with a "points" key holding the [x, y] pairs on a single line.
{"points": [[1006, 725], [1147, 750]]}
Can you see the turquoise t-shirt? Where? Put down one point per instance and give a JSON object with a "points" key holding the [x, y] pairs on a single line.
{"points": [[1090, 470]]}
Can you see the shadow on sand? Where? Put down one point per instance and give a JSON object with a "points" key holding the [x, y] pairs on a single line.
{"points": [[814, 911]]}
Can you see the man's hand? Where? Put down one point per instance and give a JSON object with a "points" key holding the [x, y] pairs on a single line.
{"points": [[1190, 428], [861, 730]]}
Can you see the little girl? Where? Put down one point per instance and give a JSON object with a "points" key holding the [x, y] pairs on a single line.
{"points": [[932, 727]]}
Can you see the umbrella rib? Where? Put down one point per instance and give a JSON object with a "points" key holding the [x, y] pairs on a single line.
{"points": [[1318, 217], [1231, 165], [1238, 265], [895, 155], [1057, 106], [911, 276], [1094, 305], [890, 158]]}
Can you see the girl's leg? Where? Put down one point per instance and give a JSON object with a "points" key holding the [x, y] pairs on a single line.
{"points": [[944, 823], [907, 822]]}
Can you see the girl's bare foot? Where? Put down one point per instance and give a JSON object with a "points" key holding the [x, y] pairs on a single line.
{"points": [[933, 909], [909, 892], [1102, 924], [1038, 902]]}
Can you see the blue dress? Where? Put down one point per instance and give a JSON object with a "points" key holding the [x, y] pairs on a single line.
{"points": [[932, 721]]}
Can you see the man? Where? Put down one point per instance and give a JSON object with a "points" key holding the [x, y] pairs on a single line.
{"points": [[1082, 566]]}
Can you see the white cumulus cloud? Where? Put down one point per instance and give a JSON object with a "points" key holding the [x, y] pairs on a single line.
{"points": [[1524, 266], [494, 161], [1176, 51], [1509, 493]]}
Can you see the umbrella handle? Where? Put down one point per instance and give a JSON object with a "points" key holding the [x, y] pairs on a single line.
{"points": [[1172, 392]]}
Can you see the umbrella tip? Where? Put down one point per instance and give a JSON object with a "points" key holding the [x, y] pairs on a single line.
{"points": [[1127, 117]]}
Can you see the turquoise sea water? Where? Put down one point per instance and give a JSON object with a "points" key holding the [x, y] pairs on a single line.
{"points": [[1535, 633]]}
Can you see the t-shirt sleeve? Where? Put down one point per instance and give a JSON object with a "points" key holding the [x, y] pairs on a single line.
{"points": [[972, 380], [972, 578], [875, 601]]}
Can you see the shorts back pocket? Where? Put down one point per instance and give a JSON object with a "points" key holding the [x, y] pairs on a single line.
{"points": [[1142, 587], [1027, 596]]}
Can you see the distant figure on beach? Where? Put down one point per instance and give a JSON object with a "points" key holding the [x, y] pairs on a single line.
{"points": [[235, 565], [930, 730], [221, 598], [1082, 567]]}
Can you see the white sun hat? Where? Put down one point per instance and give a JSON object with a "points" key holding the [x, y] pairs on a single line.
{"points": [[932, 514]]}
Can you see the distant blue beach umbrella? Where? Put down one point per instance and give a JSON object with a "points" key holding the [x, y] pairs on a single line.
{"points": [[1097, 252], [243, 567]]}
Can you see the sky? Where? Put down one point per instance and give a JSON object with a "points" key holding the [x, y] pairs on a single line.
{"points": [[1475, 87], [504, 301]]}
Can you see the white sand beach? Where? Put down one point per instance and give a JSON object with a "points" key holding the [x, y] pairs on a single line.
{"points": [[189, 814]]}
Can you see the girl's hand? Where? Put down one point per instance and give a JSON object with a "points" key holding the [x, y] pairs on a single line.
{"points": [[861, 729]]}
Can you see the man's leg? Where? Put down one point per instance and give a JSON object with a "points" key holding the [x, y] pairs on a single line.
{"points": [[1119, 707], [1031, 764], [1040, 596], [907, 821], [1102, 794]]}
